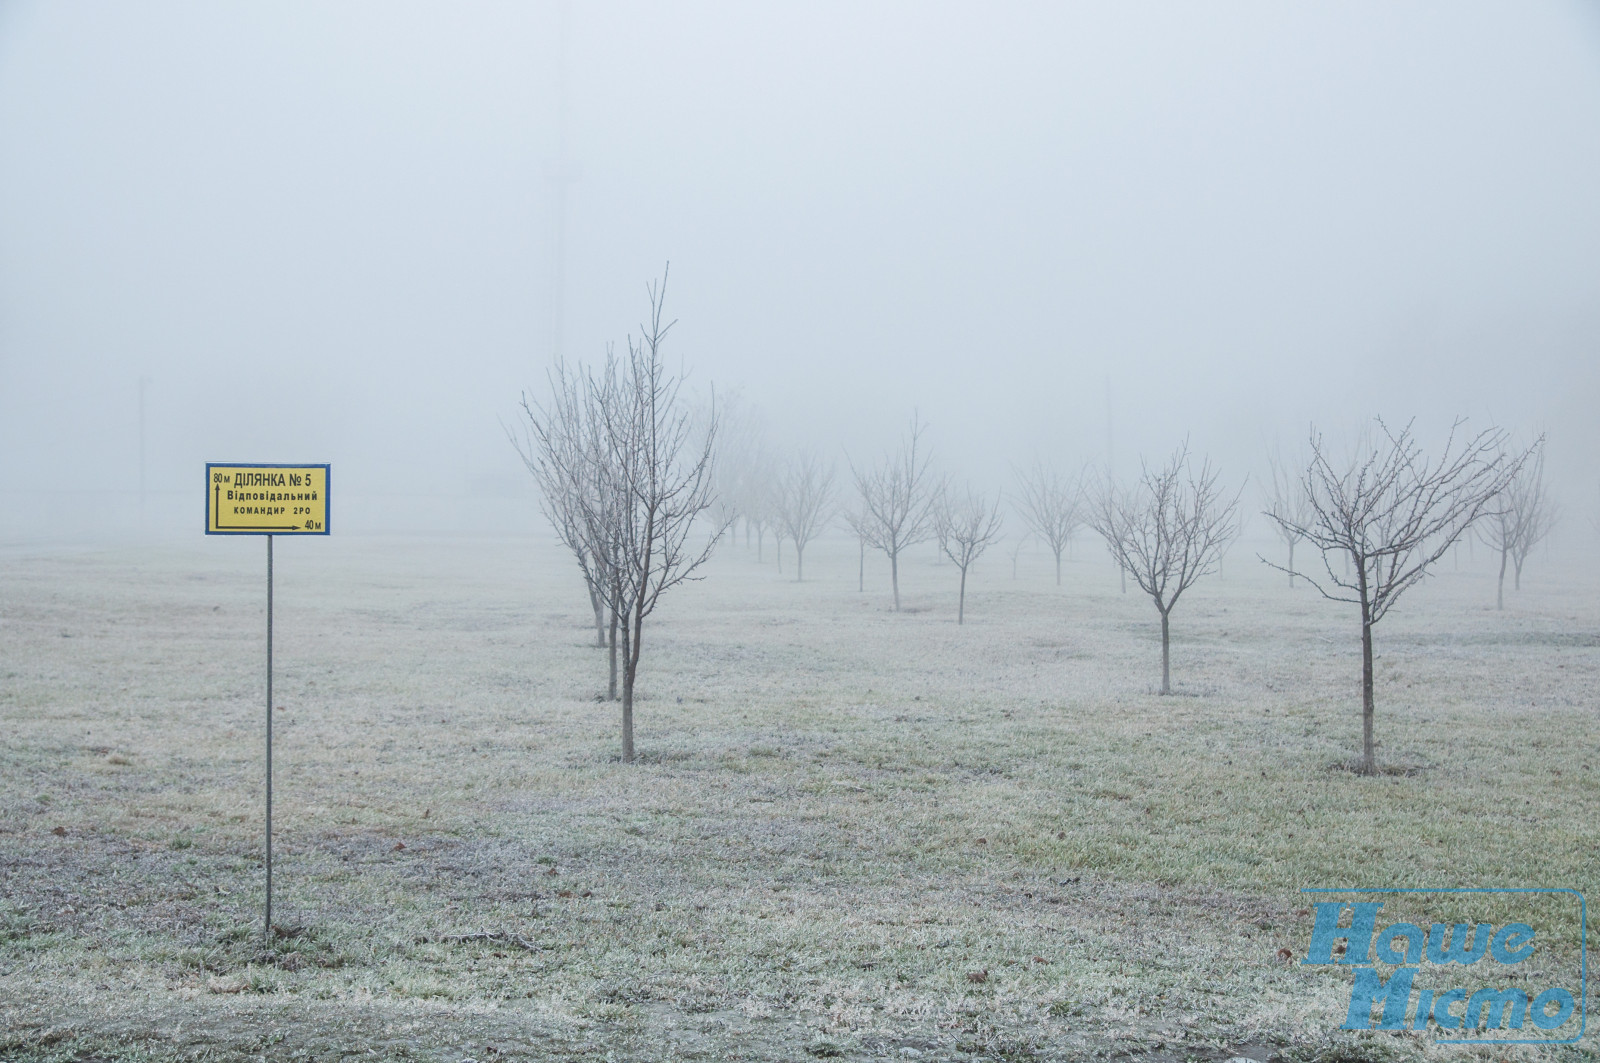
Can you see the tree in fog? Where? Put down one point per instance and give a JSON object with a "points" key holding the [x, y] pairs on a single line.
{"points": [[1051, 506], [856, 521], [1391, 513], [1522, 516], [742, 470], [1287, 505], [803, 496], [556, 444], [1016, 553], [1166, 531], [965, 526], [897, 497], [650, 464], [755, 500]]}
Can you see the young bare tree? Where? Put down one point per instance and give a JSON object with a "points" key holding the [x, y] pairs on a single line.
{"points": [[740, 467], [646, 468], [1016, 553], [1391, 513], [1286, 503], [897, 497], [551, 445], [1051, 506], [664, 484], [1167, 531], [756, 500], [563, 444], [965, 527], [856, 521], [1523, 516], [804, 503]]}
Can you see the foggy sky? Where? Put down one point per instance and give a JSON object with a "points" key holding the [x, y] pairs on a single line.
{"points": [[329, 232]]}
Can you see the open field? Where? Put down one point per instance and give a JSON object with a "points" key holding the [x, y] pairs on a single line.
{"points": [[853, 833]]}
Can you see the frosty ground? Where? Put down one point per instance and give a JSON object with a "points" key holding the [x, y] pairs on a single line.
{"points": [[852, 833]]}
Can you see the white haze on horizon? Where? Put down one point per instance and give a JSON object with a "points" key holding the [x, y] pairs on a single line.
{"points": [[328, 233]]}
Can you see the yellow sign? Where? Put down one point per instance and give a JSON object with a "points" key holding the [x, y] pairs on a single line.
{"points": [[266, 499]]}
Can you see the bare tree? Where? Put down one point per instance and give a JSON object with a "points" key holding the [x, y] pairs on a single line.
{"points": [[1051, 506], [856, 521], [1166, 532], [552, 444], [1016, 552], [755, 500], [741, 468], [738, 439], [897, 497], [647, 471], [1523, 516], [965, 527], [664, 485], [804, 503], [1391, 513], [1287, 505]]}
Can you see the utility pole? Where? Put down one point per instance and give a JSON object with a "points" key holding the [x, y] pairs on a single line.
{"points": [[144, 382]]}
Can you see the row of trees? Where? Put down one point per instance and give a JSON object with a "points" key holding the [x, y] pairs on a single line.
{"points": [[632, 483], [1377, 521]]}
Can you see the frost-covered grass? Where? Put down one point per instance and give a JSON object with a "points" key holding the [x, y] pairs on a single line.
{"points": [[852, 833]]}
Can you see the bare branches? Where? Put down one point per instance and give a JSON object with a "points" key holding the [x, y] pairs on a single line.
{"points": [[557, 445], [965, 528], [743, 470], [1523, 516], [896, 499], [804, 499], [1167, 531], [1051, 506], [1286, 503], [1391, 512], [627, 472]]}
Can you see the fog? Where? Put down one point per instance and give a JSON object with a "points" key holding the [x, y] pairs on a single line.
{"points": [[355, 233]]}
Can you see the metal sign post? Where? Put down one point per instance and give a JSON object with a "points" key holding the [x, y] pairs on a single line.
{"points": [[267, 925], [270, 500]]}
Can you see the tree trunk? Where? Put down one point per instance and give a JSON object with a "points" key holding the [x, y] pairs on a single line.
{"points": [[861, 572], [1166, 654], [799, 564], [630, 669], [894, 578], [1291, 564], [1516, 568], [1500, 588], [1369, 763], [599, 615], [1058, 566], [761, 535], [611, 689], [961, 603], [1124, 573], [777, 546]]}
